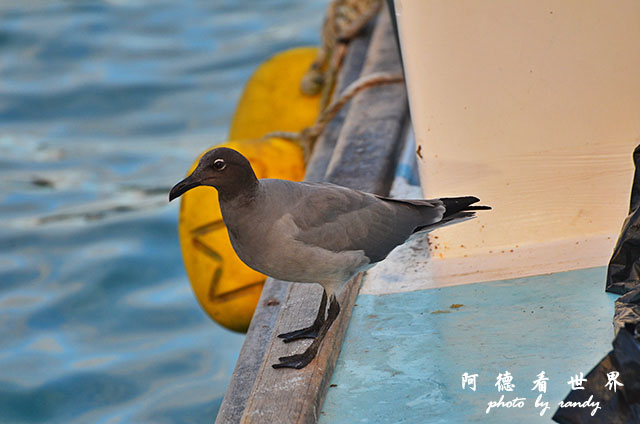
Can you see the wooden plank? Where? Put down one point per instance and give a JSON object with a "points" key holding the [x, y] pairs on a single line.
{"points": [[362, 159], [350, 71], [257, 338], [252, 352], [295, 396], [377, 118]]}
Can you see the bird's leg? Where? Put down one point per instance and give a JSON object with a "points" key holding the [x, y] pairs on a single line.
{"points": [[301, 360], [312, 331]]}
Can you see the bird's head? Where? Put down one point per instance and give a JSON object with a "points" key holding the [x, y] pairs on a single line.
{"points": [[222, 168]]}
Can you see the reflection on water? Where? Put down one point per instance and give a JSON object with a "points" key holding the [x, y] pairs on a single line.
{"points": [[103, 106]]}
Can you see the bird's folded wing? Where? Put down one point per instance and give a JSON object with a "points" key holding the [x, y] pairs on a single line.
{"points": [[339, 219]]}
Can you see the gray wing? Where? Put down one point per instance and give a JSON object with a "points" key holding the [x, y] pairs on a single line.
{"points": [[340, 219]]}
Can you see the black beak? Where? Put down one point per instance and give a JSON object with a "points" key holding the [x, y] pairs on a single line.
{"points": [[184, 186]]}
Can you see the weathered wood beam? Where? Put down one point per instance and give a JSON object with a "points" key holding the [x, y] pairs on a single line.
{"points": [[349, 72], [252, 352], [295, 396], [366, 153]]}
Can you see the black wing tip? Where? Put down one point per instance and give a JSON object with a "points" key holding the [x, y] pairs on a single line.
{"points": [[458, 204]]}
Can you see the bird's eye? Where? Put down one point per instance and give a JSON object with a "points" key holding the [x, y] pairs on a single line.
{"points": [[219, 164]]}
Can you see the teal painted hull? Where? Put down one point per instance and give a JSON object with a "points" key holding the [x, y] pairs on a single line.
{"points": [[404, 354]]}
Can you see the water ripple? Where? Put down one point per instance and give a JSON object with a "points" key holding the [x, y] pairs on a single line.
{"points": [[104, 105]]}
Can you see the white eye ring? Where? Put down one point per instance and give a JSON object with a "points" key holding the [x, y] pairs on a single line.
{"points": [[219, 164]]}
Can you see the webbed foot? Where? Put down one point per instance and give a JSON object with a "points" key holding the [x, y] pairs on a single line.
{"points": [[303, 333], [303, 359], [299, 360], [312, 331]]}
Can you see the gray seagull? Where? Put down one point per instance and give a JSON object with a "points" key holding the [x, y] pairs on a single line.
{"points": [[313, 232]]}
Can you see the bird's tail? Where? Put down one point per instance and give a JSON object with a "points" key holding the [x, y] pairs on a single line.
{"points": [[454, 205], [457, 209]]}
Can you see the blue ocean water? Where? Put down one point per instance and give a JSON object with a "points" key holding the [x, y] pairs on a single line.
{"points": [[103, 106]]}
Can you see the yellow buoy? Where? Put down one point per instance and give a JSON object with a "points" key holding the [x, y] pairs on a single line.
{"points": [[226, 288], [272, 100]]}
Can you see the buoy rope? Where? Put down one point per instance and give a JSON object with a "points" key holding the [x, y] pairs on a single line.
{"points": [[343, 20], [307, 137]]}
